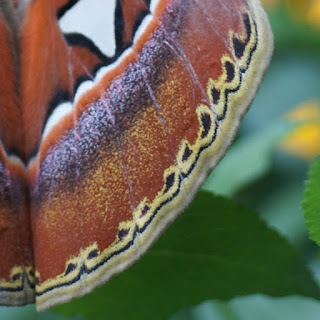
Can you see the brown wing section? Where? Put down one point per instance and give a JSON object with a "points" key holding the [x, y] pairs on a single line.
{"points": [[129, 157], [16, 262]]}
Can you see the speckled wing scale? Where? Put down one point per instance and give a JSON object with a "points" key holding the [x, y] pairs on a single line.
{"points": [[124, 115]]}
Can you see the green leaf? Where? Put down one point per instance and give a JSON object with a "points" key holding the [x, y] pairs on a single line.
{"points": [[216, 250], [29, 313], [248, 159], [254, 307], [311, 202]]}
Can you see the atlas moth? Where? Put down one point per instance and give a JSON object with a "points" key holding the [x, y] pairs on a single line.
{"points": [[113, 112]]}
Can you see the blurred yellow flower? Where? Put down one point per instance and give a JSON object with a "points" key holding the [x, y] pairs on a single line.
{"points": [[314, 14], [303, 10], [305, 140]]}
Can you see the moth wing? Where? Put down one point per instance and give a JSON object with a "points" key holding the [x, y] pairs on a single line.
{"points": [[123, 128]]}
